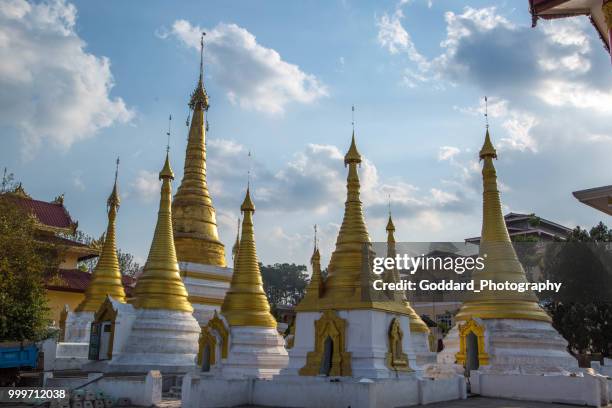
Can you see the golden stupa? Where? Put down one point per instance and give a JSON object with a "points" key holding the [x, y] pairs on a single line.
{"points": [[348, 284], [416, 323], [315, 286], [501, 262], [195, 224], [106, 277], [245, 302], [160, 286]]}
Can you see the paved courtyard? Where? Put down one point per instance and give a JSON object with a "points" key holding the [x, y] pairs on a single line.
{"points": [[481, 402]]}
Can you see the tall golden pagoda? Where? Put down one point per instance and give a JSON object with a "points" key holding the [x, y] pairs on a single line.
{"points": [[193, 215], [106, 277], [501, 262], [160, 286], [245, 302], [349, 272]]}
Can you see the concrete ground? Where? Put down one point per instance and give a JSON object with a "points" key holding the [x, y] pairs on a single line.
{"points": [[481, 402]]}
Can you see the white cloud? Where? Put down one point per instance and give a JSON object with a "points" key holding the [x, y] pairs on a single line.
{"points": [[393, 37], [254, 77], [77, 181], [448, 152], [147, 185], [50, 87]]}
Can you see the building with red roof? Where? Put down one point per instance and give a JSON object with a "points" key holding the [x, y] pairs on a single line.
{"points": [[56, 226]]}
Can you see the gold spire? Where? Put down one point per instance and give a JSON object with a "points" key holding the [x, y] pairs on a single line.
{"points": [[195, 224], [416, 323], [349, 270], [160, 285], [315, 286], [245, 302], [501, 262], [106, 277]]}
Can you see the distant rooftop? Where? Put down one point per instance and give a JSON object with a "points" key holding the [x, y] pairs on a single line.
{"points": [[50, 215], [519, 224]]}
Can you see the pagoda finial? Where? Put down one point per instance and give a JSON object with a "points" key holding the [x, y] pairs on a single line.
{"points": [[390, 226], [168, 132], [316, 245], [202, 57], [106, 277], [199, 98], [113, 199], [160, 286], [487, 147], [245, 302]]}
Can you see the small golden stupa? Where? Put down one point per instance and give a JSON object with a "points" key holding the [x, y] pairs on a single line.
{"points": [[106, 277], [160, 286], [245, 302]]}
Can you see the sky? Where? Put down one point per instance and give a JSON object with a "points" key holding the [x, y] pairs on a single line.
{"points": [[84, 82]]}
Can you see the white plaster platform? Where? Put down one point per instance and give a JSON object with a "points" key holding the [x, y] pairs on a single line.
{"points": [[205, 282], [582, 389], [158, 339], [207, 391], [517, 346], [143, 390], [254, 352], [366, 340], [73, 351]]}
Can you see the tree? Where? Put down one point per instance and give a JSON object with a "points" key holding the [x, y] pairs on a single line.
{"points": [[127, 264], [582, 309], [24, 261], [285, 284], [8, 183]]}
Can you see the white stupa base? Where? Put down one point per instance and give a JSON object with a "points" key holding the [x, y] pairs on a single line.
{"points": [[366, 340], [255, 352], [517, 346], [159, 339], [528, 360], [206, 285], [73, 351], [419, 350], [581, 389], [207, 390]]}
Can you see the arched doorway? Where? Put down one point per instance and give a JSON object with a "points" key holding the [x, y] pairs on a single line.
{"points": [[206, 357], [328, 354], [471, 351]]}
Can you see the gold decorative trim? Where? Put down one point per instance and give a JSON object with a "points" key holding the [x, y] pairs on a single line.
{"points": [[216, 324], [471, 326], [396, 358], [204, 300], [606, 9], [333, 326], [207, 338]]}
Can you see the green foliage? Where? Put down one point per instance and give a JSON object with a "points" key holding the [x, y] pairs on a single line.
{"points": [[8, 182], [582, 311], [23, 263], [285, 284], [127, 264]]}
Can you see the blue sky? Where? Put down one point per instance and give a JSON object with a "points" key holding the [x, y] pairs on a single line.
{"points": [[83, 82]]}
